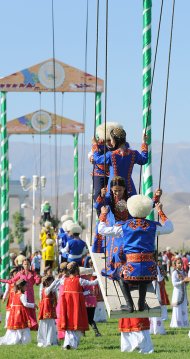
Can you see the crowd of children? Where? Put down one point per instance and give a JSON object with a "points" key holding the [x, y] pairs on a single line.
{"points": [[66, 308]]}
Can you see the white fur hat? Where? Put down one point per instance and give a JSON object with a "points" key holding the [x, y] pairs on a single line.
{"points": [[65, 218], [168, 248], [86, 271], [74, 228], [139, 206], [121, 205], [100, 130], [49, 241], [66, 224], [47, 224]]}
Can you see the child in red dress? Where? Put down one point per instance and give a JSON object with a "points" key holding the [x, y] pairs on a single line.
{"points": [[135, 335], [9, 293], [47, 333], [62, 274], [90, 298], [73, 313], [31, 278], [18, 326]]}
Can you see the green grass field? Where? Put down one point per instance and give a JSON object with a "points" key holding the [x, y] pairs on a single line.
{"points": [[174, 345]]}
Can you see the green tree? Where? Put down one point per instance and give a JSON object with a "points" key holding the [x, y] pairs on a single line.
{"points": [[11, 236], [54, 221], [18, 227]]}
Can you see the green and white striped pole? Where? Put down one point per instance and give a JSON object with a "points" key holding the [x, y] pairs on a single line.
{"points": [[147, 181], [98, 109], [76, 180], [4, 191]]}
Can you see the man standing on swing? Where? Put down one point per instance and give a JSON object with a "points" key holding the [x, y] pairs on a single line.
{"points": [[139, 246]]}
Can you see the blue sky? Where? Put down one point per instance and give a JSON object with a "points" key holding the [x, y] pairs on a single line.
{"points": [[26, 39]]}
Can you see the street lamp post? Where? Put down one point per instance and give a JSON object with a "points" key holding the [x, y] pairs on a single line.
{"points": [[36, 183]]}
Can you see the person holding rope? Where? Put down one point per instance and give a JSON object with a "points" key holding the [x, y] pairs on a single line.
{"points": [[100, 171], [139, 245], [118, 214], [122, 159]]}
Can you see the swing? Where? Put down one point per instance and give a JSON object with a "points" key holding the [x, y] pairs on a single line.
{"points": [[111, 290]]}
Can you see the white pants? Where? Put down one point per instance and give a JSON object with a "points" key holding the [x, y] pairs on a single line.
{"points": [[19, 336], [72, 338], [140, 341], [157, 326], [47, 333], [100, 314]]}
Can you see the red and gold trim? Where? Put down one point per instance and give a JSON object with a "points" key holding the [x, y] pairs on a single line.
{"points": [[132, 278], [127, 325], [99, 199], [114, 163], [162, 216], [139, 222], [144, 147], [129, 187], [103, 217], [140, 257]]}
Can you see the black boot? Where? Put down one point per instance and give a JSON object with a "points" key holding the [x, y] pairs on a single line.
{"points": [[127, 295], [95, 329], [142, 296]]}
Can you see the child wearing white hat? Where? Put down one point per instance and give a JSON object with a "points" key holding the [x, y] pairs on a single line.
{"points": [[139, 245], [75, 247]]}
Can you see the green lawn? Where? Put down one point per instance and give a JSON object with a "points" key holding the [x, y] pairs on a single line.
{"points": [[174, 345]]}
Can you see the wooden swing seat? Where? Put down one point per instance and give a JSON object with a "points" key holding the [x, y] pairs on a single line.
{"points": [[114, 298]]}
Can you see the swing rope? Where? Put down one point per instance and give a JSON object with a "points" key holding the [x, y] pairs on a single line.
{"points": [[83, 157], [96, 86], [51, 164], [40, 169], [54, 98], [166, 95], [60, 142], [166, 99], [152, 82], [105, 115], [35, 156]]}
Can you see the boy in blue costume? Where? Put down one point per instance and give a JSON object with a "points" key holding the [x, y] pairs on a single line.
{"points": [[139, 245], [122, 159], [100, 171], [75, 247]]}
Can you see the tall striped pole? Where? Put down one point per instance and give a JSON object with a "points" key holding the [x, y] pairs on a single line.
{"points": [[98, 109], [4, 191], [147, 181], [76, 195]]}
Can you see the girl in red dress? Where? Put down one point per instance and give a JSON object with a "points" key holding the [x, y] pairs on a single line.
{"points": [[18, 326], [135, 335], [90, 298], [73, 313], [9, 293], [47, 333], [62, 274]]}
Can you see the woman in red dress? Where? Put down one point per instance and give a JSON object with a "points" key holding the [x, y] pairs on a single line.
{"points": [[18, 325], [31, 278], [73, 313]]}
